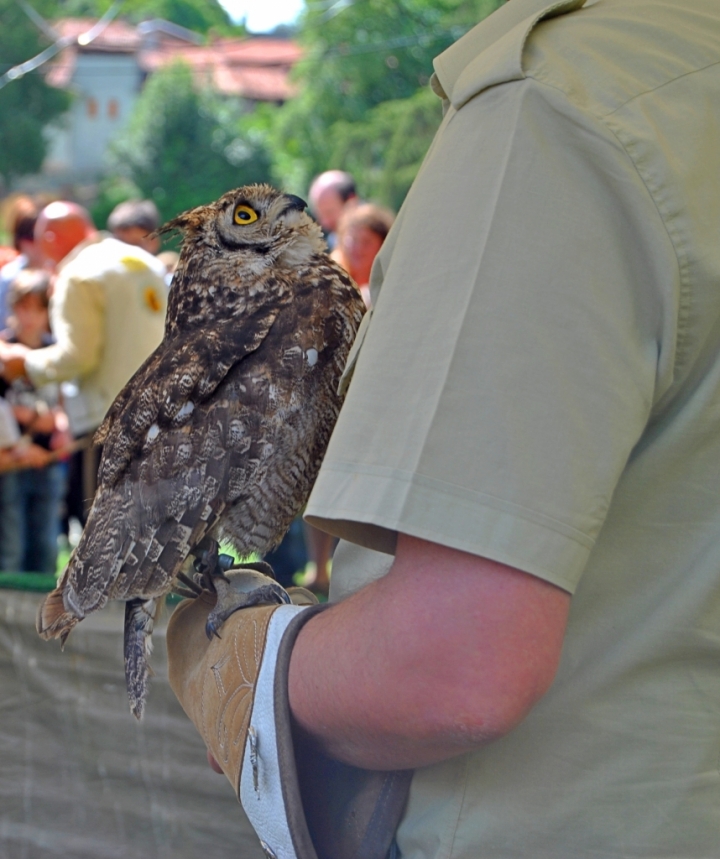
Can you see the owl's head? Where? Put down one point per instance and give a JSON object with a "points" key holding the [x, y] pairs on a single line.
{"points": [[255, 222]]}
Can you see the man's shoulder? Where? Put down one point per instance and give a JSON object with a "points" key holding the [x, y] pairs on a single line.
{"points": [[611, 52], [110, 255], [601, 53]]}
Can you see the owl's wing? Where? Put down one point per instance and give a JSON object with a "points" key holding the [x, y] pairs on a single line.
{"points": [[182, 372], [142, 527]]}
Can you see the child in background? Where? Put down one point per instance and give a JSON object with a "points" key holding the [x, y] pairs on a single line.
{"points": [[13, 453], [30, 498]]}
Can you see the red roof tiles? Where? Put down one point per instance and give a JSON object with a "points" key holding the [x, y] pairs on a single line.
{"points": [[255, 68], [117, 37]]}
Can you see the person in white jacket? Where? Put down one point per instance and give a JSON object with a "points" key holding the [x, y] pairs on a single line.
{"points": [[107, 314]]}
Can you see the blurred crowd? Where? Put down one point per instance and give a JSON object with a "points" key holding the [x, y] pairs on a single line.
{"points": [[80, 310]]}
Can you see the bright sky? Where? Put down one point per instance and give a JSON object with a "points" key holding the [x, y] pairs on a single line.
{"points": [[263, 15]]}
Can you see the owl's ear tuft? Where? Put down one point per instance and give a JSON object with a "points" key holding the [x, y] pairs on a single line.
{"points": [[185, 222]]}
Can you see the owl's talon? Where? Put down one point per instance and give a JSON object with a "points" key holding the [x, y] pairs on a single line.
{"points": [[210, 565], [211, 630], [202, 563]]}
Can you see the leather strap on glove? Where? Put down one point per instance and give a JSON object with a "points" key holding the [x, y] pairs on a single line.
{"points": [[235, 691]]}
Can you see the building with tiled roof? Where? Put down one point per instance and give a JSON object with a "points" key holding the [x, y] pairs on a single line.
{"points": [[107, 70]]}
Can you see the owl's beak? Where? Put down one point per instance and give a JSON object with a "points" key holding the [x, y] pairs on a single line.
{"points": [[295, 203]]}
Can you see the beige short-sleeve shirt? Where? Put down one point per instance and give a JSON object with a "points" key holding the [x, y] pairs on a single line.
{"points": [[540, 384]]}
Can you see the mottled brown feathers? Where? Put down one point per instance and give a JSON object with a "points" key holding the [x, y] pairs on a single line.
{"points": [[222, 430]]}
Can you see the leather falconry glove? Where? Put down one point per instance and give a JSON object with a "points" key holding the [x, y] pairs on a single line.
{"points": [[234, 688]]}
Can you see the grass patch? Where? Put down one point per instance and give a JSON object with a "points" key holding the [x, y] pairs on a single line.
{"points": [[41, 582], [44, 582]]}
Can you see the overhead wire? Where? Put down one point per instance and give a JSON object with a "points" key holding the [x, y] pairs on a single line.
{"points": [[37, 19], [424, 38], [59, 44]]}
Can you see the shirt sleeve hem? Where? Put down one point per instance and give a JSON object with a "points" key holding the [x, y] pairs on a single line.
{"points": [[370, 509]]}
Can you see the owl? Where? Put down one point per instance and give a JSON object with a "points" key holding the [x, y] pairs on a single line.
{"points": [[220, 434]]}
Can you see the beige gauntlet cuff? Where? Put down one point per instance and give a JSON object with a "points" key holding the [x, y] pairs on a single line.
{"points": [[235, 690], [215, 680]]}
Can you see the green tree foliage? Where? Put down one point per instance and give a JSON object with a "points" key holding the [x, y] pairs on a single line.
{"points": [[184, 146], [112, 190], [385, 149], [363, 103], [198, 15], [27, 104]]}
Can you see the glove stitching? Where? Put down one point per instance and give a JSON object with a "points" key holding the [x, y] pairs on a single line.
{"points": [[216, 669], [236, 657]]}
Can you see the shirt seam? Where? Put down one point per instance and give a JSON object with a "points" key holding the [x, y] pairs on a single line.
{"points": [[502, 170], [600, 118], [484, 499], [501, 555], [461, 808], [684, 298], [660, 86]]}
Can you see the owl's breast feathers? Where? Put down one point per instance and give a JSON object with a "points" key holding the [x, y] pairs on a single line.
{"points": [[301, 326]]}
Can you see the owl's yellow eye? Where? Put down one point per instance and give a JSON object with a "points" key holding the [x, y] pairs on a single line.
{"points": [[244, 215]]}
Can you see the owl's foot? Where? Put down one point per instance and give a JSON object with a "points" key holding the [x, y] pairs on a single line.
{"points": [[210, 564], [247, 586]]}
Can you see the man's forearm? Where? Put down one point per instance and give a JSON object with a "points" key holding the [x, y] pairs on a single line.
{"points": [[447, 652]]}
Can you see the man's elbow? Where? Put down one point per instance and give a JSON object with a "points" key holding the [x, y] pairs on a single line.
{"points": [[490, 713], [489, 699]]}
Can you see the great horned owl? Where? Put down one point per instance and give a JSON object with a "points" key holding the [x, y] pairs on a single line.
{"points": [[221, 432]]}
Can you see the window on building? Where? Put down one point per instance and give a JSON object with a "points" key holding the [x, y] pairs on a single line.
{"points": [[113, 108], [92, 108]]}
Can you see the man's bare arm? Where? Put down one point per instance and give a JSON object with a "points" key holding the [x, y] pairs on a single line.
{"points": [[447, 652]]}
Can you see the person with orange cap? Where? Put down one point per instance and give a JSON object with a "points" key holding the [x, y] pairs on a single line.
{"points": [[107, 314]]}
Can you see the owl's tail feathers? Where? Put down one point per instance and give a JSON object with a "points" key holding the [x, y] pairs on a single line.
{"points": [[53, 620], [140, 617]]}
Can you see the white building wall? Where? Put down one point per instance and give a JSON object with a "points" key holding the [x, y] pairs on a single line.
{"points": [[105, 87]]}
